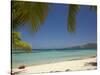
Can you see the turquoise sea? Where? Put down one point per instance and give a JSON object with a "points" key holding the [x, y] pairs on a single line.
{"points": [[41, 56]]}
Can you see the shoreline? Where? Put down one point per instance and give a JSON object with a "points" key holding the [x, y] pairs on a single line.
{"points": [[58, 61], [63, 66]]}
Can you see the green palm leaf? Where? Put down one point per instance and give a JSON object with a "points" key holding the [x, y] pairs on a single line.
{"points": [[17, 43], [73, 9], [72, 13], [34, 13], [93, 8]]}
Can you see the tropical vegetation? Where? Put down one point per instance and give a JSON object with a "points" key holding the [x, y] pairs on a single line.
{"points": [[35, 13]]}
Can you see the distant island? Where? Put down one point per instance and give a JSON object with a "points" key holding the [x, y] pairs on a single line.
{"points": [[84, 46], [88, 45]]}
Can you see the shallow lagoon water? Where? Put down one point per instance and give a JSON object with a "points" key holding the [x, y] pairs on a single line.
{"points": [[38, 57]]}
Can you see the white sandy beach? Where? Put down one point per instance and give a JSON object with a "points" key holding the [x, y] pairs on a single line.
{"points": [[63, 66]]}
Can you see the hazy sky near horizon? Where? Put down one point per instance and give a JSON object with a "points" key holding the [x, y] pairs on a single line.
{"points": [[53, 33]]}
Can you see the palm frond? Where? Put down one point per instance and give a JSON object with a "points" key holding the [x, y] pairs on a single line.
{"points": [[17, 43], [93, 8], [73, 9], [23, 12]]}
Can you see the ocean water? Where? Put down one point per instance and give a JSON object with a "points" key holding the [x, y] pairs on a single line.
{"points": [[38, 57]]}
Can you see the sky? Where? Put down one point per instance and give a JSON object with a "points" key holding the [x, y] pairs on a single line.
{"points": [[53, 33]]}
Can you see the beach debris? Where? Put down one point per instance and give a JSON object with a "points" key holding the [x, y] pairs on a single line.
{"points": [[67, 70], [21, 67], [57, 71], [51, 71], [91, 63], [93, 56], [54, 71]]}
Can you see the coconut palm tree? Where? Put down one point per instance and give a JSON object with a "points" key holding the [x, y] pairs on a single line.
{"points": [[35, 13], [26, 12]]}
